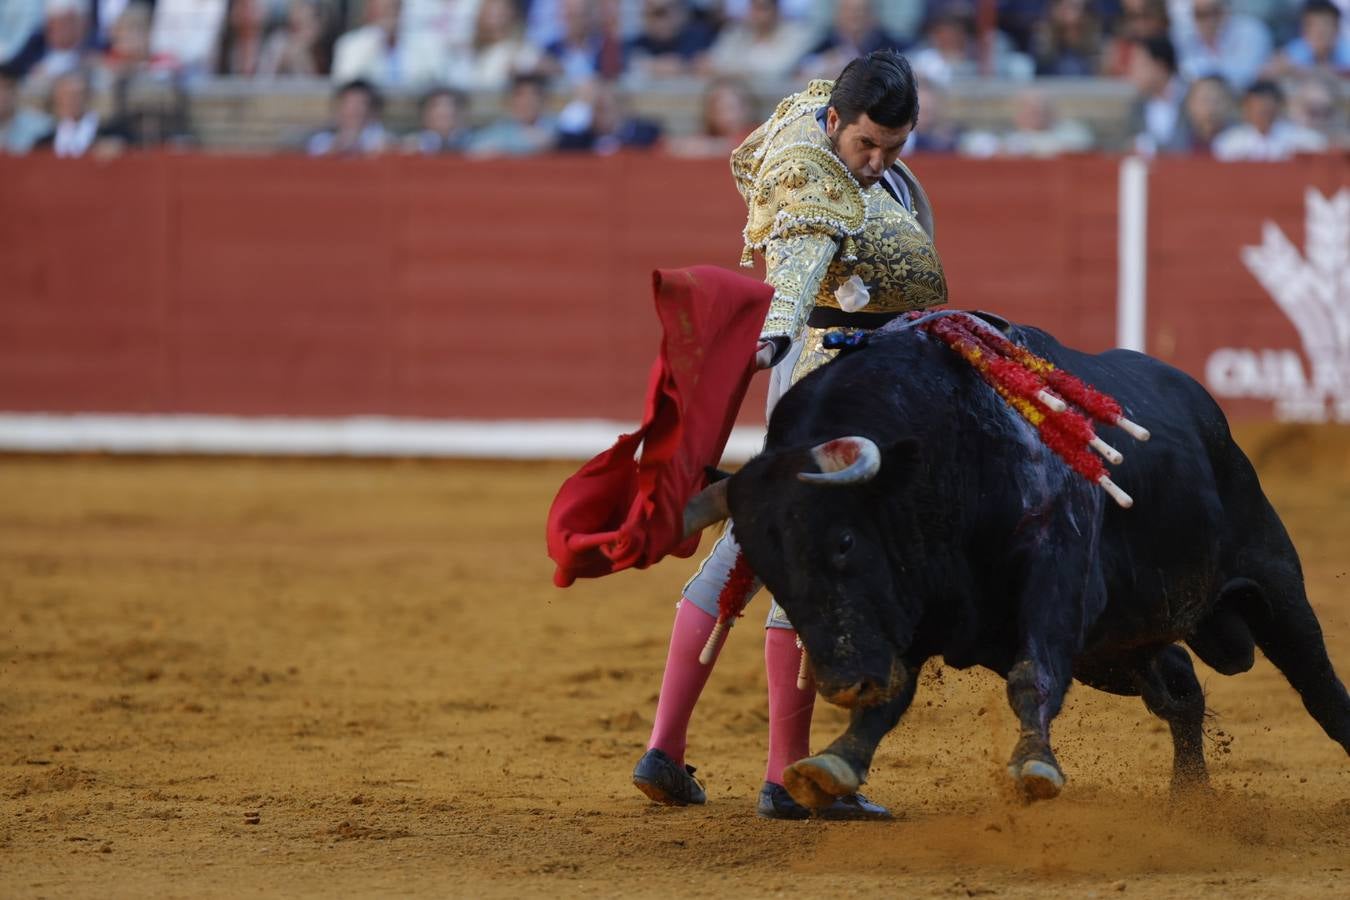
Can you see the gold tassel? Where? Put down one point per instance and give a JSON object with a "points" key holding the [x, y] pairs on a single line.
{"points": [[850, 247], [747, 257]]}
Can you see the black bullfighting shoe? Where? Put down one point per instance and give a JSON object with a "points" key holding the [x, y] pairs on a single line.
{"points": [[776, 803], [666, 781]]}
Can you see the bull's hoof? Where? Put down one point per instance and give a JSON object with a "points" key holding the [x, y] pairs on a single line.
{"points": [[1193, 792], [817, 781], [1037, 779]]}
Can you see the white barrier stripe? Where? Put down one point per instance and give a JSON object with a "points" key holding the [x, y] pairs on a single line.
{"points": [[1132, 254], [357, 436]]}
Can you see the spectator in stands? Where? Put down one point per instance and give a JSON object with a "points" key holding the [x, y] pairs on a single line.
{"points": [[805, 11], [64, 30], [1221, 42], [1320, 47], [1140, 20], [1279, 16], [670, 44], [1206, 112], [103, 17], [1068, 41], [525, 129], [77, 128], [1315, 103], [301, 47], [1264, 135], [612, 43], [612, 57], [190, 31], [599, 121], [935, 132], [1018, 20], [153, 112], [443, 114], [1037, 132], [574, 58], [500, 50], [128, 55], [855, 32], [727, 120], [242, 39], [20, 35], [357, 129], [149, 102], [1153, 73], [20, 126], [765, 45], [544, 24], [380, 54], [450, 24], [951, 52]]}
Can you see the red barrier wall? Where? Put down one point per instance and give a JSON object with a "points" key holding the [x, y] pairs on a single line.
{"points": [[451, 288]]}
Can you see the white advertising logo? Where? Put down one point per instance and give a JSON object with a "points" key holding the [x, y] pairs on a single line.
{"points": [[1314, 292]]}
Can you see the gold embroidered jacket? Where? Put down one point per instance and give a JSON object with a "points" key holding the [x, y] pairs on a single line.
{"points": [[817, 227]]}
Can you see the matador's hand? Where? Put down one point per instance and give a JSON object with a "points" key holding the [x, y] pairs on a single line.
{"points": [[765, 354]]}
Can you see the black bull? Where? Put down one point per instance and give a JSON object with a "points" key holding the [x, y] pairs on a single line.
{"points": [[973, 542]]}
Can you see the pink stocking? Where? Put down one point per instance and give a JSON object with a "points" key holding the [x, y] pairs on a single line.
{"points": [[789, 708], [683, 680]]}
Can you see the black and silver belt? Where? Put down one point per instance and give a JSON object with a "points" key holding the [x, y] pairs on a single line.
{"points": [[832, 317]]}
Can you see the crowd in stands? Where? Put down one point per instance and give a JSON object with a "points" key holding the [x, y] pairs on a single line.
{"points": [[1236, 79]]}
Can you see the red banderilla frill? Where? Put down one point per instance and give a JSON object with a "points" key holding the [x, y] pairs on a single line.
{"points": [[1038, 391], [731, 604]]}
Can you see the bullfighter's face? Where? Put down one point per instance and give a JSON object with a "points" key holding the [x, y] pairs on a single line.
{"points": [[865, 147], [820, 551]]}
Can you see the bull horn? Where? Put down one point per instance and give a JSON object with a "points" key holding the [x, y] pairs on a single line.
{"points": [[707, 507], [845, 460]]}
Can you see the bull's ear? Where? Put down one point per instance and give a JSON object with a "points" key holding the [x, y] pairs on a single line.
{"points": [[714, 474], [900, 462]]}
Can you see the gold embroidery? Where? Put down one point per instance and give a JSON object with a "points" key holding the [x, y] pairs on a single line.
{"points": [[813, 355], [791, 180], [809, 192], [817, 227], [795, 266], [896, 261]]}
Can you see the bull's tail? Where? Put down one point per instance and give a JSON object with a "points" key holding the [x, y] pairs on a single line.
{"points": [[1283, 623]]}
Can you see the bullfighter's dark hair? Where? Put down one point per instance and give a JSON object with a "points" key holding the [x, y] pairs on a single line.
{"points": [[880, 84]]}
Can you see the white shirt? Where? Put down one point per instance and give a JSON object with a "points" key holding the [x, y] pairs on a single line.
{"points": [[19, 20], [1160, 119], [1285, 139], [74, 137]]}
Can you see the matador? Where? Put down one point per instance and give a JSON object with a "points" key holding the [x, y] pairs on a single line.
{"points": [[846, 232]]}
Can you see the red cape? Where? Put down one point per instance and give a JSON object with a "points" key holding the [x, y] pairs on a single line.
{"points": [[618, 512]]}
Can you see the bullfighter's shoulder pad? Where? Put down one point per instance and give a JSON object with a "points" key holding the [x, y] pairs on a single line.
{"points": [[793, 182]]}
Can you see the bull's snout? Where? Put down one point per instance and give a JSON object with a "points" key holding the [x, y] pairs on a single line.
{"points": [[863, 693], [867, 690]]}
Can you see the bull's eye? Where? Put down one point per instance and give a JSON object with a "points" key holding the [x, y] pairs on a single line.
{"points": [[840, 557]]}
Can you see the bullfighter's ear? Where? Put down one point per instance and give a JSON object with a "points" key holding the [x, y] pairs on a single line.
{"points": [[900, 462]]}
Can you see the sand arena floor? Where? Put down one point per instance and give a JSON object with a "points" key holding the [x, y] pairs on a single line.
{"points": [[234, 678]]}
